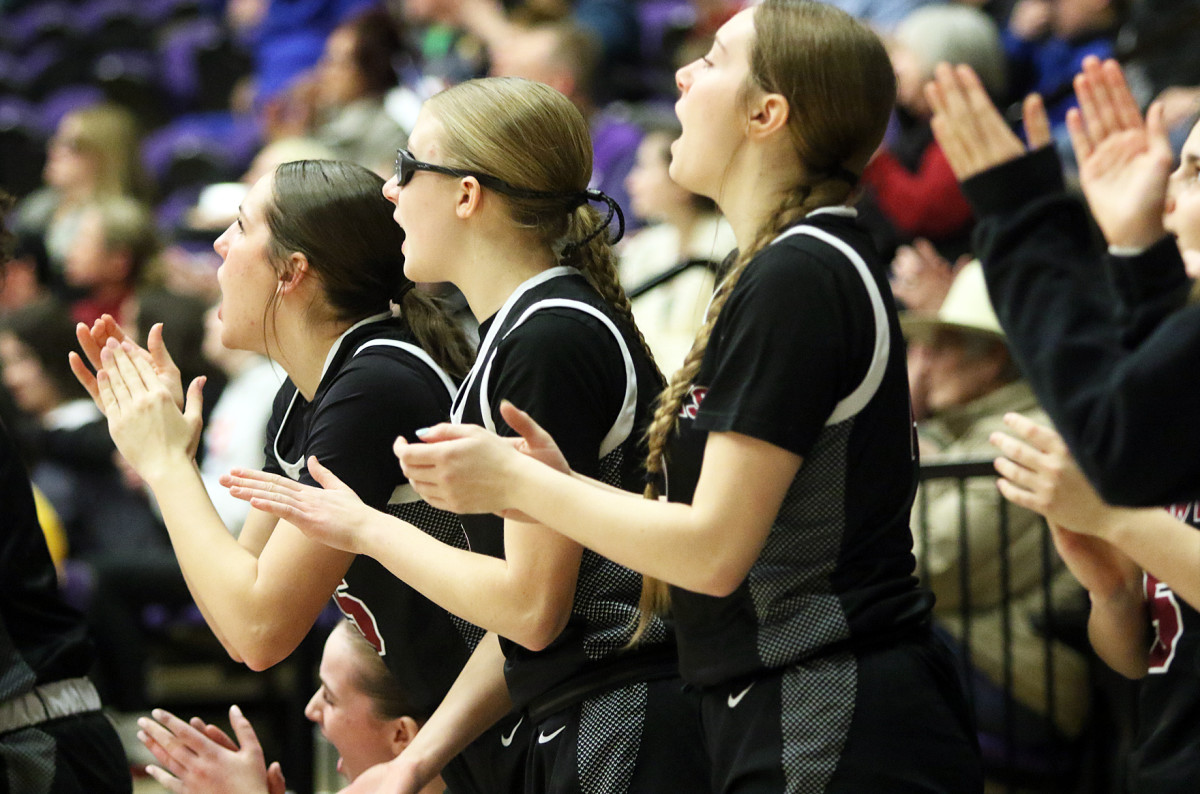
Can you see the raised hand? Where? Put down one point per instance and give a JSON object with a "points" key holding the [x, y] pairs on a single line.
{"points": [[194, 762], [143, 417], [463, 468], [331, 514], [971, 132], [1039, 473], [92, 340], [1124, 163], [921, 278]]}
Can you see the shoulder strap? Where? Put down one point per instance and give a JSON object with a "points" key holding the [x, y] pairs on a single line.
{"points": [[417, 353], [857, 399]]}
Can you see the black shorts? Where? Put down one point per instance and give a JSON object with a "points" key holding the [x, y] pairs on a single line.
{"points": [[494, 763], [80, 754], [884, 721], [642, 739]]}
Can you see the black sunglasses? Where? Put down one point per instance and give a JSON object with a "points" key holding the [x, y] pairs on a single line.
{"points": [[407, 165]]}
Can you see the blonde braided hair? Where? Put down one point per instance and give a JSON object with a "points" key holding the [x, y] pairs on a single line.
{"points": [[840, 88]]}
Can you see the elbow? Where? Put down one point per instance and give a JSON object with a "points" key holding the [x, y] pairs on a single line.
{"points": [[540, 627], [722, 579], [261, 648]]}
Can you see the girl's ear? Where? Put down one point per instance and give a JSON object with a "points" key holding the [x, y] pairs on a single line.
{"points": [[768, 114], [299, 272], [469, 197], [404, 730]]}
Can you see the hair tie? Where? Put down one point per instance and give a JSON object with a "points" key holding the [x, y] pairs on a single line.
{"points": [[405, 288], [846, 175], [591, 194]]}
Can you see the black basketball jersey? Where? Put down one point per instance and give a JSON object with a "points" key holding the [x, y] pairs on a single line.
{"points": [[1166, 753], [807, 355], [378, 384], [558, 351]]}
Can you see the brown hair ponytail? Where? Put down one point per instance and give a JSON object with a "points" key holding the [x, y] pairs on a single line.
{"points": [[437, 332], [597, 261], [840, 87]]}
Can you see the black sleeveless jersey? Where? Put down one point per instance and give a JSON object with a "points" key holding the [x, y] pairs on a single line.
{"points": [[807, 355], [378, 384], [558, 351]]}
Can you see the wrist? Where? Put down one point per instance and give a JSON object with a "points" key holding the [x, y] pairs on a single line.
{"points": [[167, 468]]}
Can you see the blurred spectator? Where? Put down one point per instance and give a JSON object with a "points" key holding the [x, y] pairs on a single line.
{"points": [[921, 277], [971, 381], [342, 104], [1046, 42], [93, 154], [27, 275], [65, 438], [883, 15], [911, 191], [112, 254], [289, 40], [685, 229], [566, 58], [235, 432]]}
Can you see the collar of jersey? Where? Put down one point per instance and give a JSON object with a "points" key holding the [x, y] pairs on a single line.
{"points": [[497, 320], [337, 343]]}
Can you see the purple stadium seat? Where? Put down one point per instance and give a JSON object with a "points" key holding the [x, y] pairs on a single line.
{"points": [[38, 22], [179, 55], [63, 101]]}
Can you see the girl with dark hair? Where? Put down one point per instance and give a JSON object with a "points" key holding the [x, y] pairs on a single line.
{"points": [[310, 266], [784, 443], [493, 198]]}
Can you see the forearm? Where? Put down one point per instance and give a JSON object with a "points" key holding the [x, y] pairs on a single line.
{"points": [[1165, 547], [668, 541], [528, 603], [253, 619], [1103, 396], [1117, 628], [478, 698]]}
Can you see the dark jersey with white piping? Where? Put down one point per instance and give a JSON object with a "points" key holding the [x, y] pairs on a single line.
{"points": [[558, 351], [1166, 752], [806, 355], [378, 384]]}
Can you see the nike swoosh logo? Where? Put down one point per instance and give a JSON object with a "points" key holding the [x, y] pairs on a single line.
{"points": [[734, 700], [505, 741], [543, 738]]}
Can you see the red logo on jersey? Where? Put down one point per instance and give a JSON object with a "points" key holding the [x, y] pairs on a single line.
{"points": [[691, 403], [361, 616], [1167, 621]]}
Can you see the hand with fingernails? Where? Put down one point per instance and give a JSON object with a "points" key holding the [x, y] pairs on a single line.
{"points": [[198, 758]]}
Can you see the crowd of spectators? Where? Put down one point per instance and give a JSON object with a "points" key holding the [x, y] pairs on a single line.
{"points": [[130, 132]]}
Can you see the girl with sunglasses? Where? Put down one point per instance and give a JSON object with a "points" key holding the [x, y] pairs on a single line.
{"points": [[493, 197], [784, 442], [310, 266]]}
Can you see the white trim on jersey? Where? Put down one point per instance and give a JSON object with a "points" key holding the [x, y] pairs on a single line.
{"points": [[292, 470], [405, 494], [623, 425], [857, 399], [456, 410], [416, 352]]}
